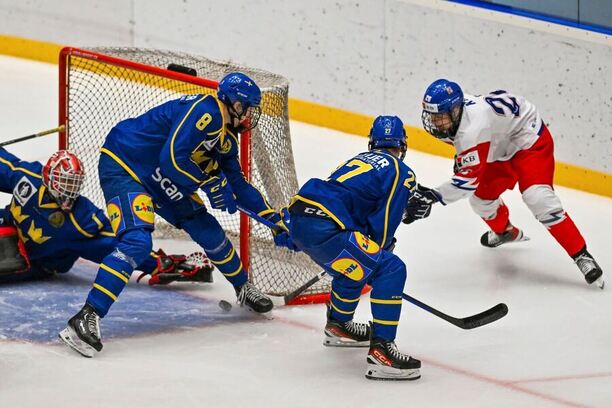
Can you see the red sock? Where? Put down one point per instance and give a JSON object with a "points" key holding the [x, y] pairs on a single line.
{"points": [[499, 223], [567, 235]]}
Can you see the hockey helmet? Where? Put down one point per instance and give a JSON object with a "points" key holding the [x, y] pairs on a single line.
{"points": [[238, 87], [388, 132], [63, 175], [442, 109]]}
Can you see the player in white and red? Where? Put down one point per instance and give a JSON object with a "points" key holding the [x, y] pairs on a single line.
{"points": [[500, 140]]}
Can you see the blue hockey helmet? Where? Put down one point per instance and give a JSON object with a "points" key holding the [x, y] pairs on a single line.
{"points": [[442, 109], [388, 132], [238, 87]]}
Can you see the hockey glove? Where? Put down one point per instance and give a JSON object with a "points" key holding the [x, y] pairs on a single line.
{"points": [[419, 205], [281, 235], [220, 193], [194, 268]]}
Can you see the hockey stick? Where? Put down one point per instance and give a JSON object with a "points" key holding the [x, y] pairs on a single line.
{"points": [[471, 322], [43, 133], [259, 218]]}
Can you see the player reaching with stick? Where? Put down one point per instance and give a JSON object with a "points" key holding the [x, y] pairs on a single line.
{"points": [[500, 140], [156, 163], [346, 224]]}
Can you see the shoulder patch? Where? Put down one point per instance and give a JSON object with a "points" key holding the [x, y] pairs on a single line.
{"points": [[24, 190]]}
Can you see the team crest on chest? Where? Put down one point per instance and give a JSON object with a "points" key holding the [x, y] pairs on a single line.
{"points": [[24, 190], [57, 219]]}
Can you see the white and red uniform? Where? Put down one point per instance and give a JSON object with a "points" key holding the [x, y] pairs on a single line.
{"points": [[501, 141]]}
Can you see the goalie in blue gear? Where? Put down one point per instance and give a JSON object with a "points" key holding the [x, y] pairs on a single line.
{"points": [[155, 164], [47, 226], [346, 224]]}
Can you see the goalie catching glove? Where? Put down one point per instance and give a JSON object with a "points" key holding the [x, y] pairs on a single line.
{"points": [[220, 193], [419, 205], [281, 234], [180, 268]]}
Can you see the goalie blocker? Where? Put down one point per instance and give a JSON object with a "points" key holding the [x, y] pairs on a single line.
{"points": [[13, 256]]}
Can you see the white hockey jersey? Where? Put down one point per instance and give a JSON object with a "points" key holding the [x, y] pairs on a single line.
{"points": [[493, 127]]}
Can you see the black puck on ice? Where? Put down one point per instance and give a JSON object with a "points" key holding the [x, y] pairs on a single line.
{"points": [[225, 305]]}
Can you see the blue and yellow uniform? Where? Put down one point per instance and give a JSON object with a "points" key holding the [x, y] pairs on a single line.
{"points": [[155, 163], [53, 239], [346, 224]]}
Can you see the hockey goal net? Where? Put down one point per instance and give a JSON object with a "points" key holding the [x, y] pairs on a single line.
{"points": [[101, 86]]}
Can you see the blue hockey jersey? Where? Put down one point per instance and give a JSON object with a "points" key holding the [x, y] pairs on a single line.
{"points": [[175, 147], [54, 239], [368, 193]]}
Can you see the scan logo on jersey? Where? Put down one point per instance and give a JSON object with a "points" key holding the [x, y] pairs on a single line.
{"points": [[142, 208]]}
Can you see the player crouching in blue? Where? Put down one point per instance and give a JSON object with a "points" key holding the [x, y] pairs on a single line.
{"points": [[48, 225], [346, 224], [156, 163]]}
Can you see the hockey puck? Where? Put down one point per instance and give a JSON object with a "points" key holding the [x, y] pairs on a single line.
{"points": [[225, 305]]}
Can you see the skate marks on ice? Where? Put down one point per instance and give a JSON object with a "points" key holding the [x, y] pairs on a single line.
{"points": [[36, 311]]}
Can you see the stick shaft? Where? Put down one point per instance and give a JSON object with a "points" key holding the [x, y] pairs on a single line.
{"points": [[43, 133]]}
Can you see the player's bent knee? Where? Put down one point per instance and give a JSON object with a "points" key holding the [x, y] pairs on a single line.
{"points": [[393, 268], [136, 244], [544, 204], [486, 209]]}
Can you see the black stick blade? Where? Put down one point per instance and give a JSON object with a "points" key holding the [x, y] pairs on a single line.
{"points": [[488, 316], [182, 69]]}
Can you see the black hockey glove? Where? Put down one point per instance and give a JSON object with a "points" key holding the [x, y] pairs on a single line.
{"points": [[419, 205], [281, 235], [220, 193]]}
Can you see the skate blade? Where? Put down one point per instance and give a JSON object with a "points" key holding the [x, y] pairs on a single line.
{"points": [[70, 338], [600, 283], [266, 315], [383, 373], [343, 342]]}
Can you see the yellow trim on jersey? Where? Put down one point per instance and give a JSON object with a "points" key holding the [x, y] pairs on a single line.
{"points": [[386, 322], [397, 173], [114, 272], [265, 212], [320, 206], [107, 234], [26, 171], [340, 310], [97, 221], [228, 132], [78, 227], [386, 301], [41, 195], [178, 128], [343, 299], [236, 272], [121, 163], [105, 291], [225, 260]]}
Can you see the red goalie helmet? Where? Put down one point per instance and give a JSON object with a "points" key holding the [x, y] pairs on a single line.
{"points": [[63, 175]]}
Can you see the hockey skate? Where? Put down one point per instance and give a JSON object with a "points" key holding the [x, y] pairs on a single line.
{"points": [[346, 334], [491, 239], [83, 332], [386, 362], [248, 295], [589, 268]]}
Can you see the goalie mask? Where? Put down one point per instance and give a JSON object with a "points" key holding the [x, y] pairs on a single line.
{"points": [[442, 109], [237, 87], [388, 132], [63, 175]]}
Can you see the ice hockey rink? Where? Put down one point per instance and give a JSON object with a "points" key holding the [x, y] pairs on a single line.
{"points": [[174, 347]]}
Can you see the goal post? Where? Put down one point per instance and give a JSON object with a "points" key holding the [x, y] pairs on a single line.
{"points": [[99, 87]]}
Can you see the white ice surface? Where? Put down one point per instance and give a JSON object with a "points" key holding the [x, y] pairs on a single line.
{"points": [[554, 349]]}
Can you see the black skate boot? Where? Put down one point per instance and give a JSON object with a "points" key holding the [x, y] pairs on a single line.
{"points": [[346, 334], [491, 239], [83, 332], [252, 297], [386, 362], [589, 268]]}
